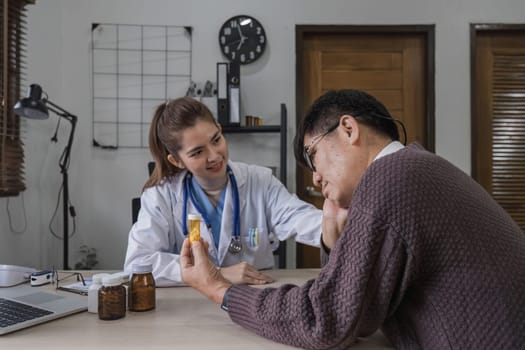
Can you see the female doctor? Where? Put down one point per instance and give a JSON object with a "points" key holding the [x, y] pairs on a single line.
{"points": [[245, 210]]}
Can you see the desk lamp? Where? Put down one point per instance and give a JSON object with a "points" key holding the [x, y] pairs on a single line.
{"points": [[35, 107]]}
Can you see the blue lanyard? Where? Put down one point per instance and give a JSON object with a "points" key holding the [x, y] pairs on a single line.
{"points": [[236, 205]]}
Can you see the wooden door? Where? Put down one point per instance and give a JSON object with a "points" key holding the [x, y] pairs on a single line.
{"points": [[498, 114], [393, 67]]}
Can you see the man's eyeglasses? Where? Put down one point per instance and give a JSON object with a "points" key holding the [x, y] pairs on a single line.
{"points": [[307, 155]]}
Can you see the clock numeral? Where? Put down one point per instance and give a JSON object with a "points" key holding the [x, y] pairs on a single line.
{"points": [[258, 30], [223, 39], [261, 39], [227, 31], [252, 55], [258, 48], [243, 58], [233, 55], [226, 49], [233, 24]]}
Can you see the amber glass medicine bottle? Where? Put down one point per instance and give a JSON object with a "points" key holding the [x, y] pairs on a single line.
{"points": [[111, 299], [141, 295]]}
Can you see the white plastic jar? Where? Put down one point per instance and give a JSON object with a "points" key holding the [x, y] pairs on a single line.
{"points": [[93, 291]]}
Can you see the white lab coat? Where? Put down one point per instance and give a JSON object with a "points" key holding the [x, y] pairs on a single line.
{"points": [[265, 204]]}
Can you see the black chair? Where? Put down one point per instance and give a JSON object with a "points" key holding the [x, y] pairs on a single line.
{"points": [[151, 167], [135, 202], [135, 208], [280, 255]]}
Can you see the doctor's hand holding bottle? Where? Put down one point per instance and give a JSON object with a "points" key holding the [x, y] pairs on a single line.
{"points": [[242, 206]]}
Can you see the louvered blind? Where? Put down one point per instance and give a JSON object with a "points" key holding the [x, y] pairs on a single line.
{"points": [[508, 134], [12, 43]]}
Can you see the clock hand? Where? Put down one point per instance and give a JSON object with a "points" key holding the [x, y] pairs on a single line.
{"points": [[240, 44], [242, 37], [234, 42], [240, 31]]}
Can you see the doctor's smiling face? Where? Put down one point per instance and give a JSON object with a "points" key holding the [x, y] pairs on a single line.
{"points": [[185, 135], [203, 151]]}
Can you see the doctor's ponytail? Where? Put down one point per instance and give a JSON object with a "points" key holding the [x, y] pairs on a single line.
{"points": [[158, 151]]}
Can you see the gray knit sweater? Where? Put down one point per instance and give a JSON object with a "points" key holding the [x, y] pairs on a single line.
{"points": [[427, 256]]}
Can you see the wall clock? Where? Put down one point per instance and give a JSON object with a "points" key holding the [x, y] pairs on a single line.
{"points": [[242, 39]]}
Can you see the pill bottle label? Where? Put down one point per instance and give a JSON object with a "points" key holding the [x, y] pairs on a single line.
{"points": [[195, 228]]}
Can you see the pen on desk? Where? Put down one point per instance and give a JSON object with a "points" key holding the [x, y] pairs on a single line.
{"points": [[72, 290]]}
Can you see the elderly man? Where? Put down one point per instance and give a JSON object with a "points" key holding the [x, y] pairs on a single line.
{"points": [[422, 251]]}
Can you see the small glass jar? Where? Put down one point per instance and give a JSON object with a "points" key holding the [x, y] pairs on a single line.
{"points": [[111, 299], [141, 295]]}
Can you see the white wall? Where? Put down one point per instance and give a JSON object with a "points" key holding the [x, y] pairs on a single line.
{"points": [[102, 182]]}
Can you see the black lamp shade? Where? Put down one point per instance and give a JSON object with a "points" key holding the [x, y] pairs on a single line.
{"points": [[32, 106]]}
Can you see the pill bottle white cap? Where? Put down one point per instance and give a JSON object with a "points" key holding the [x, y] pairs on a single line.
{"points": [[141, 268], [111, 281], [123, 275], [194, 217], [97, 278]]}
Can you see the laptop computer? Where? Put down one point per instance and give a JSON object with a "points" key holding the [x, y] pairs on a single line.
{"points": [[24, 306]]}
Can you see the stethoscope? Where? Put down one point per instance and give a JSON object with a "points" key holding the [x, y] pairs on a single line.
{"points": [[235, 246]]}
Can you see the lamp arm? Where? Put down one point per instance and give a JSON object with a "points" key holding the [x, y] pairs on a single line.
{"points": [[61, 112]]}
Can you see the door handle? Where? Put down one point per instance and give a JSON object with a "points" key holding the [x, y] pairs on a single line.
{"points": [[311, 191]]}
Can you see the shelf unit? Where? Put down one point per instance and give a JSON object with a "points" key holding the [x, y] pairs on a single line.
{"points": [[282, 130]]}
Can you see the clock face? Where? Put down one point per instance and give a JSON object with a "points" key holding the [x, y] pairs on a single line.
{"points": [[242, 39]]}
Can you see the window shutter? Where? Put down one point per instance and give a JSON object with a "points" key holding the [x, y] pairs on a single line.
{"points": [[12, 44], [508, 133]]}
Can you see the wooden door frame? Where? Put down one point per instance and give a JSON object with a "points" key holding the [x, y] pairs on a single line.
{"points": [[428, 31], [475, 29]]}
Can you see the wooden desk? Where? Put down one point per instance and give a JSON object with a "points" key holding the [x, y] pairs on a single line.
{"points": [[183, 319]]}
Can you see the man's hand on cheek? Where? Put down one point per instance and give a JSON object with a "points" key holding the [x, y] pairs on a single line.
{"points": [[334, 220]]}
